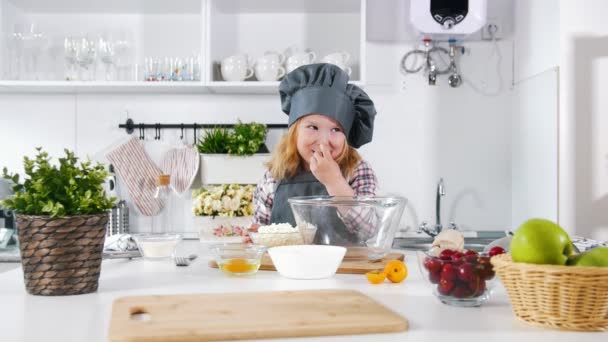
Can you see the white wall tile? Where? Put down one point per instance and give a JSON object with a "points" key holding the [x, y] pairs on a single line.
{"points": [[27, 122], [534, 151]]}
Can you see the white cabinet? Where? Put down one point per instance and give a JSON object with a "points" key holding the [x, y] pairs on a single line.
{"points": [[202, 32]]}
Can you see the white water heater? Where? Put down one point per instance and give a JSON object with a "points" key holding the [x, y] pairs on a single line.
{"points": [[445, 19]]}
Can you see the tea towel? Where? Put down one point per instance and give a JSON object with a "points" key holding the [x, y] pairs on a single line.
{"points": [[139, 172], [182, 164]]}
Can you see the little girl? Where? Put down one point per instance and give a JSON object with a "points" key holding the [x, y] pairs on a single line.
{"points": [[328, 120]]}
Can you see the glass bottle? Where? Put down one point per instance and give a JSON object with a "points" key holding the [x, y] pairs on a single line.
{"points": [[161, 223]]}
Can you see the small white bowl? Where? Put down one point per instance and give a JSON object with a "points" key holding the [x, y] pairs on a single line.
{"points": [[157, 246], [307, 261]]}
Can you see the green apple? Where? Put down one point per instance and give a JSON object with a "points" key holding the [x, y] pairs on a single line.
{"points": [[597, 256], [540, 241]]}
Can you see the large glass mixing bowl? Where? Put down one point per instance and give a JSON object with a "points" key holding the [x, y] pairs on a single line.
{"points": [[366, 226]]}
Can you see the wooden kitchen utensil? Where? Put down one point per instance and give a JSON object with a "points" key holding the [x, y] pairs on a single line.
{"points": [[232, 316], [348, 266]]}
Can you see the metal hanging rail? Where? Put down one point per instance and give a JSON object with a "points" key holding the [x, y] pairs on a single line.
{"points": [[131, 126]]}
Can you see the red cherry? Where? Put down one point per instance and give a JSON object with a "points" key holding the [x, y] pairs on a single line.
{"points": [[477, 285], [483, 259], [484, 268], [462, 291], [434, 277], [446, 254], [457, 257], [433, 265], [471, 252], [445, 286], [496, 250], [465, 272], [481, 289], [471, 258], [448, 272]]}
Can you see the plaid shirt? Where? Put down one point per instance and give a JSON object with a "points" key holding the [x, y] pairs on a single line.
{"points": [[363, 182]]}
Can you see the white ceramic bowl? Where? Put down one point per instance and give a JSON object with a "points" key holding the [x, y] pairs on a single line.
{"points": [[307, 261]]}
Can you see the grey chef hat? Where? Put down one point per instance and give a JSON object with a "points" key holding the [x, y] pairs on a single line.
{"points": [[323, 88]]}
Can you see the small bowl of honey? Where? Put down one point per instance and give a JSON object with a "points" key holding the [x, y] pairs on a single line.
{"points": [[238, 259]]}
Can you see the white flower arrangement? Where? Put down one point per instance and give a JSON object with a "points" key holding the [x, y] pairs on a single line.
{"points": [[228, 200]]}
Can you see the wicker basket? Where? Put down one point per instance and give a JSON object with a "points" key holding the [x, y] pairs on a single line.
{"points": [[562, 297], [61, 256]]}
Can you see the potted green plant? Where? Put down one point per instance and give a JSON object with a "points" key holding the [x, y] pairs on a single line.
{"points": [[62, 211], [235, 156]]}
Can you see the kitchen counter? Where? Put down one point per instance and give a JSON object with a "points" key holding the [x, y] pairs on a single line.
{"points": [[86, 317]]}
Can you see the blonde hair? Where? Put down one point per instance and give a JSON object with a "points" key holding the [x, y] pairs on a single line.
{"points": [[286, 162]]}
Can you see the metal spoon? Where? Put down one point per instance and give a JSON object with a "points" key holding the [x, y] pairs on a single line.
{"points": [[184, 261]]}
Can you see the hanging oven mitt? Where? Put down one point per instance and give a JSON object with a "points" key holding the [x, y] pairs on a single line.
{"points": [[182, 164], [139, 172]]}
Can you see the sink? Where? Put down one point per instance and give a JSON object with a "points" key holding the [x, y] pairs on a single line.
{"points": [[423, 242]]}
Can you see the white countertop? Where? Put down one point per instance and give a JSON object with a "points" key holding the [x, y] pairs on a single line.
{"points": [[81, 318]]}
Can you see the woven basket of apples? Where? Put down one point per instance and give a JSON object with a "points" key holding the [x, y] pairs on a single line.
{"points": [[551, 286]]}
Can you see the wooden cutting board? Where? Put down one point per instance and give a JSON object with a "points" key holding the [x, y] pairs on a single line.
{"points": [[232, 316], [350, 265]]}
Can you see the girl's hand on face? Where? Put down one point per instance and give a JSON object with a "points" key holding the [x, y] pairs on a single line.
{"points": [[324, 167]]}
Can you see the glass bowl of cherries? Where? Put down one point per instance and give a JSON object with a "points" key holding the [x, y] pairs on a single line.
{"points": [[459, 278]]}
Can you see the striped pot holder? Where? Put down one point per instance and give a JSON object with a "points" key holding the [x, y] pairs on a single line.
{"points": [[139, 172], [182, 164]]}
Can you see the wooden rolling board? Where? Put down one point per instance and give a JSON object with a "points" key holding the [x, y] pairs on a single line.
{"points": [[348, 265], [232, 316]]}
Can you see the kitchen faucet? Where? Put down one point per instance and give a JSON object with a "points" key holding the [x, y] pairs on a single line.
{"points": [[432, 72], [438, 226]]}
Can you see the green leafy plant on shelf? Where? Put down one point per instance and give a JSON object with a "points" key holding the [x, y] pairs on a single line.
{"points": [[67, 189], [245, 140], [215, 140]]}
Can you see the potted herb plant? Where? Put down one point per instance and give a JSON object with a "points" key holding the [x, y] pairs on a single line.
{"points": [[234, 156], [62, 211]]}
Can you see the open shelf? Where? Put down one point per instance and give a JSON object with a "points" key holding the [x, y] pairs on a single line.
{"points": [[208, 29], [287, 6], [247, 87], [236, 27], [107, 6], [35, 32], [76, 87]]}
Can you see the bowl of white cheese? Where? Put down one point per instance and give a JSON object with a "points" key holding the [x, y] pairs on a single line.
{"points": [[281, 234]]}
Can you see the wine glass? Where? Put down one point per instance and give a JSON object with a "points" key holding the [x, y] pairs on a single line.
{"points": [[122, 48], [34, 42], [15, 49], [70, 49], [106, 54], [85, 57]]}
